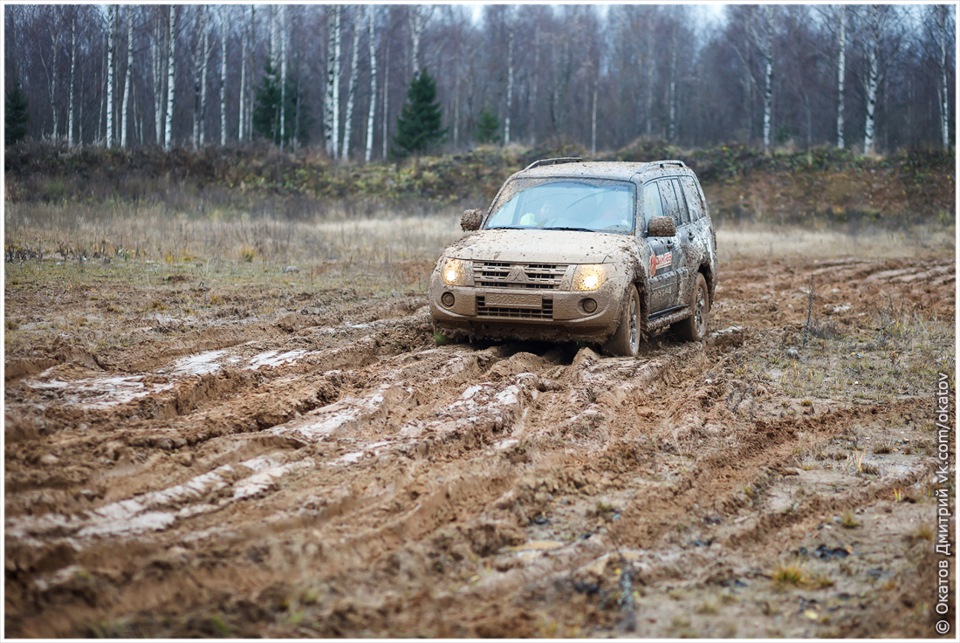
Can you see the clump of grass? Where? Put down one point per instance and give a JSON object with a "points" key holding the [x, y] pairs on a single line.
{"points": [[848, 520], [884, 448], [708, 607], [923, 532], [790, 575], [822, 581]]}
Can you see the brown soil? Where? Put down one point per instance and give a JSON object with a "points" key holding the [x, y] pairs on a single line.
{"points": [[326, 471]]}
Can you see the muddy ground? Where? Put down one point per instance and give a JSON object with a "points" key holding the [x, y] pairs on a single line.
{"points": [[324, 470]]}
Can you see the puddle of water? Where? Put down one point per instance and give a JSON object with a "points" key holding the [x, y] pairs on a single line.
{"points": [[274, 358], [200, 364], [147, 512], [100, 392]]}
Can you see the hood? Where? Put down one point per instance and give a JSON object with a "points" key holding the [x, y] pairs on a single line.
{"points": [[540, 246]]}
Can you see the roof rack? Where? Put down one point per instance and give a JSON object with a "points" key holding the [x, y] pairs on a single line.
{"points": [[556, 161], [663, 163]]}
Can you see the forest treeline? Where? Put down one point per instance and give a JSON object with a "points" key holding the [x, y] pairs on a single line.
{"points": [[336, 77]]}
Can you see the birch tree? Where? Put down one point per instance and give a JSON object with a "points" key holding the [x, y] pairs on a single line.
{"points": [[200, 60], [941, 15], [351, 85], [767, 53], [511, 21], [171, 56], [127, 89], [876, 20], [111, 42], [73, 76], [372, 107], [417, 19], [841, 70], [159, 59], [241, 122], [331, 114], [223, 76], [672, 92], [283, 77]]}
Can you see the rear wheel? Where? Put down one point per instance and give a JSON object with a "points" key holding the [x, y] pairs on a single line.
{"points": [[626, 341], [694, 327]]}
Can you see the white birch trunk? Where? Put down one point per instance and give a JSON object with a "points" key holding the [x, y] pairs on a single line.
{"points": [[372, 109], [171, 57], [416, 31], [942, 13], [386, 106], [672, 97], [841, 72], [506, 119], [873, 78], [158, 78], [351, 86], [223, 77], [111, 40], [73, 76], [456, 105], [127, 79], [198, 73], [332, 113], [283, 77], [241, 122], [593, 124], [205, 65], [767, 51]]}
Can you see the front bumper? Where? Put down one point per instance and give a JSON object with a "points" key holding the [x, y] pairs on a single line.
{"points": [[520, 313]]}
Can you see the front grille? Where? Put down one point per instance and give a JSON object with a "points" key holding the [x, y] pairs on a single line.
{"points": [[533, 276], [544, 312]]}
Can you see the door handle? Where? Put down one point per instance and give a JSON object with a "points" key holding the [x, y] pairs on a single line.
{"points": [[690, 235]]}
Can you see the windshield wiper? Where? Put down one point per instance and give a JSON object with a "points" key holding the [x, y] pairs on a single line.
{"points": [[573, 229], [507, 227]]}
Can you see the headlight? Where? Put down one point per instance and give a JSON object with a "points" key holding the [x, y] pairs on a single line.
{"points": [[589, 277], [454, 272]]}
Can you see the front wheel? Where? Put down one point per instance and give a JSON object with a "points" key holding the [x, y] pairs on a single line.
{"points": [[694, 327], [626, 341]]}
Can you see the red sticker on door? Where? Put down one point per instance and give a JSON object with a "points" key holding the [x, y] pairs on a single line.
{"points": [[660, 261]]}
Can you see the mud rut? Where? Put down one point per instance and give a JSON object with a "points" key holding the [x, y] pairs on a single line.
{"points": [[352, 479]]}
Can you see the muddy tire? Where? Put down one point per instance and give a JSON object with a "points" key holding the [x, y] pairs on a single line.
{"points": [[694, 327], [626, 341]]}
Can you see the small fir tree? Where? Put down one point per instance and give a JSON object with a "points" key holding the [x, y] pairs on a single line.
{"points": [[266, 109], [16, 114], [418, 128], [488, 127]]}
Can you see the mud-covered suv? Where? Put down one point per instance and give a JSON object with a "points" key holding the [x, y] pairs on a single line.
{"points": [[604, 252]]}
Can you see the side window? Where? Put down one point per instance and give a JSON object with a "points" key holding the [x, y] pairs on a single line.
{"points": [[652, 206], [692, 192], [671, 206], [681, 202]]}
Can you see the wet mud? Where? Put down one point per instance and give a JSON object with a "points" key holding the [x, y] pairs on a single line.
{"points": [[339, 475]]}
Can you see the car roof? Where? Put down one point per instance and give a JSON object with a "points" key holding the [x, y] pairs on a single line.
{"points": [[620, 170]]}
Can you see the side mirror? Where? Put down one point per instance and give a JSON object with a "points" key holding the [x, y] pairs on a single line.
{"points": [[471, 220], [662, 227]]}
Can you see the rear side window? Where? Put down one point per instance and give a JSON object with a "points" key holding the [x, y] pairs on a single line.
{"points": [[694, 200], [672, 205]]}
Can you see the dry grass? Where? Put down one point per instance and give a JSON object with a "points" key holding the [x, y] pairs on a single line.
{"points": [[756, 241], [790, 575], [123, 232]]}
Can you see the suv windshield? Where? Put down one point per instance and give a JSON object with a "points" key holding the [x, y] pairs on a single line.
{"points": [[591, 205]]}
